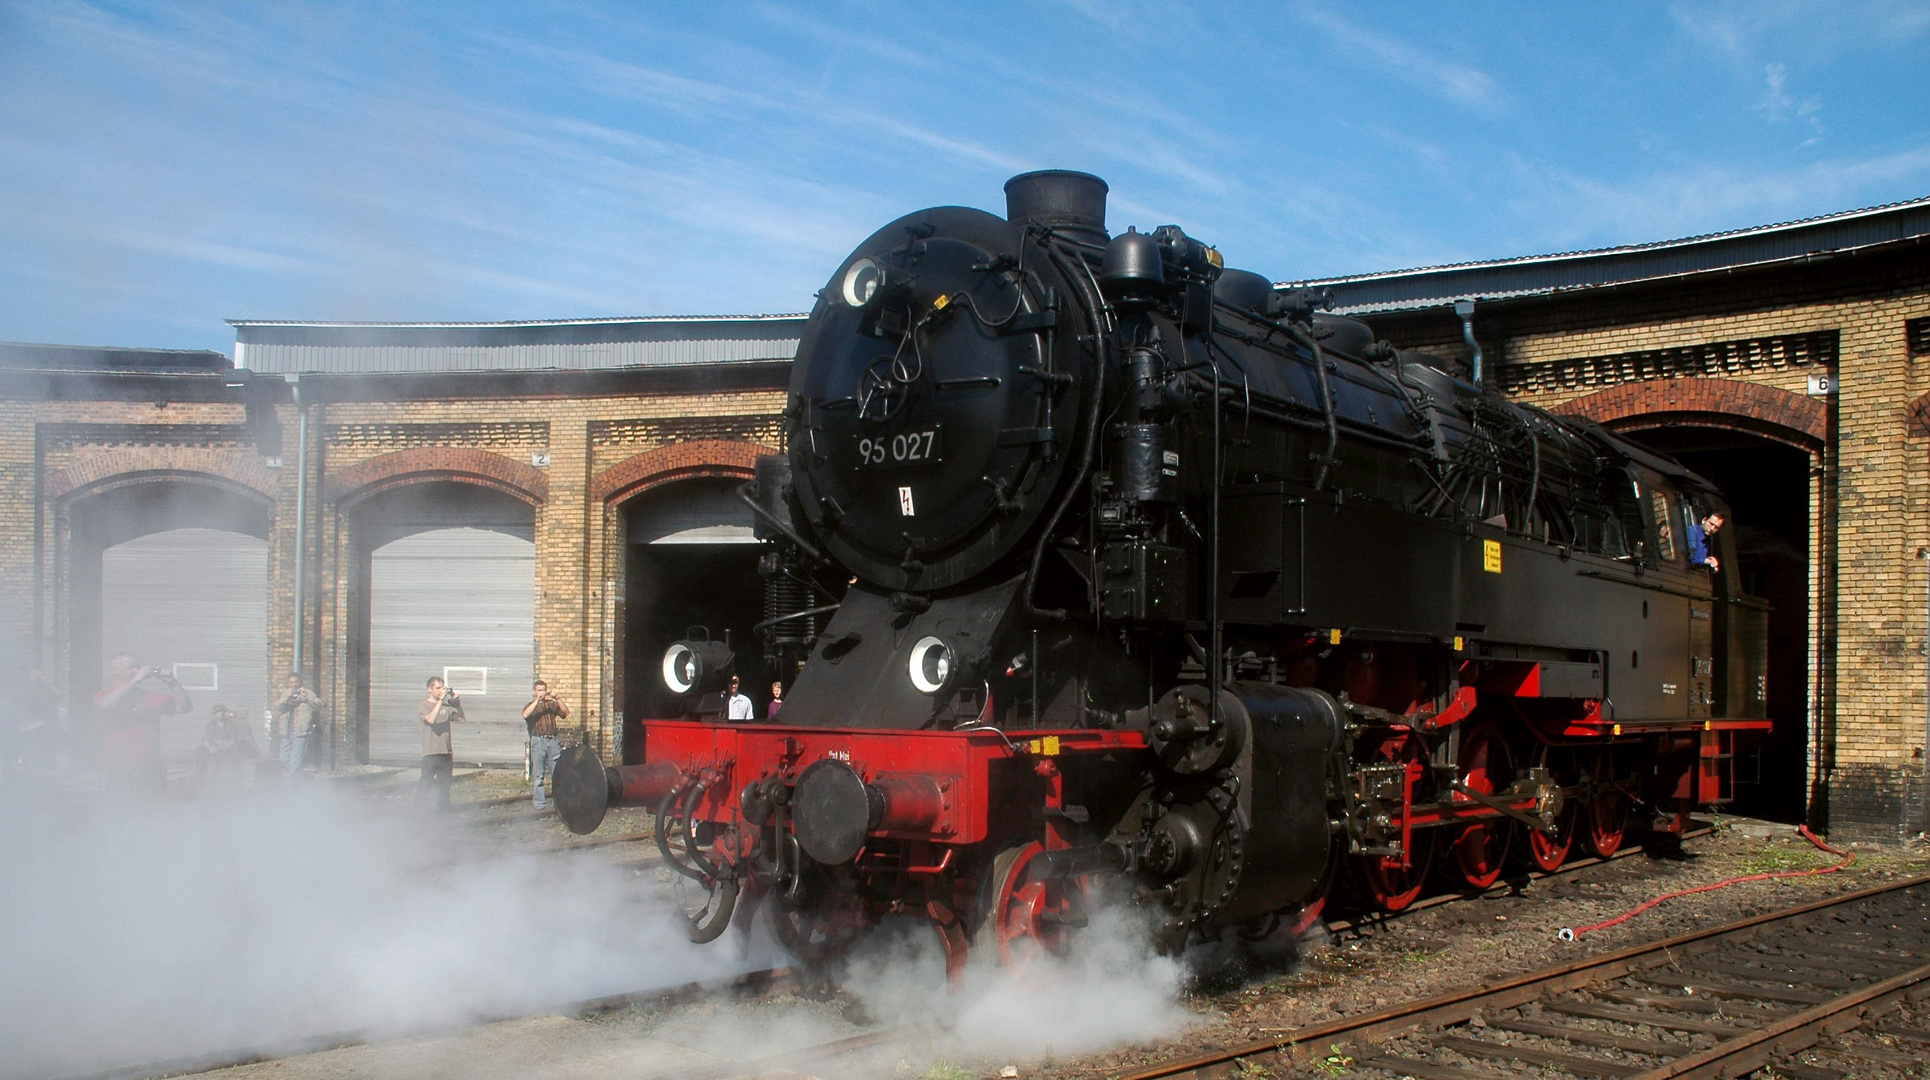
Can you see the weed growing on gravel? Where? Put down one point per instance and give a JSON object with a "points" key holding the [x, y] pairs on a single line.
{"points": [[943, 1069], [1772, 860], [1335, 1063]]}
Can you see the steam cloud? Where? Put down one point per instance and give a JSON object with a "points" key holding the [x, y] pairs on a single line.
{"points": [[157, 931], [1109, 990], [143, 933]]}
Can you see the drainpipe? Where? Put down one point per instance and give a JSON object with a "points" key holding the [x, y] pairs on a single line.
{"points": [[1923, 752], [1465, 309], [301, 518]]}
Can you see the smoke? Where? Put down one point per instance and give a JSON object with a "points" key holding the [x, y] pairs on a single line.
{"points": [[256, 922], [1110, 989], [149, 932]]}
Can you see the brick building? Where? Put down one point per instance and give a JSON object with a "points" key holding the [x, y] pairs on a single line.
{"points": [[453, 500], [495, 500]]}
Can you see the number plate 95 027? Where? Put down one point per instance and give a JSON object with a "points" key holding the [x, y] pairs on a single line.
{"points": [[897, 451]]}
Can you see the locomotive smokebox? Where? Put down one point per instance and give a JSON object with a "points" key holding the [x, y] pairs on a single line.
{"points": [[1071, 202]]}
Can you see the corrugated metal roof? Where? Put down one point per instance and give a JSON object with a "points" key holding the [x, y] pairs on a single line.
{"points": [[1533, 275], [565, 344]]}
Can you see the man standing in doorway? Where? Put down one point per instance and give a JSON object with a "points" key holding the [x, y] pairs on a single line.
{"points": [[440, 709], [299, 710], [131, 725], [740, 705], [545, 746]]}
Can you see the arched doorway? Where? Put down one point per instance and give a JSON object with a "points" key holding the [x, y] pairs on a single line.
{"points": [[445, 585], [1767, 483], [690, 560], [175, 571]]}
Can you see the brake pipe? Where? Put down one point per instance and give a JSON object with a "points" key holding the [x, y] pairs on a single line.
{"points": [[1568, 934]]}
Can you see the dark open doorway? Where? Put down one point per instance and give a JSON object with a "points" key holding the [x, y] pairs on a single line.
{"points": [[1767, 485], [690, 562]]}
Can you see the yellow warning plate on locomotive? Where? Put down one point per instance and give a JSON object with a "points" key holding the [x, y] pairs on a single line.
{"points": [[1491, 556]]}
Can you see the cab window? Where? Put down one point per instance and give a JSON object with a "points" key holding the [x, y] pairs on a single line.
{"points": [[1666, 547]]}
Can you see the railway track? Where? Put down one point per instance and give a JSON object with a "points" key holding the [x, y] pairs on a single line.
{"points": [[1810, 991]]}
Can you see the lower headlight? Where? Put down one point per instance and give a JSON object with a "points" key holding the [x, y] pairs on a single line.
{"points": [[932, 665]]}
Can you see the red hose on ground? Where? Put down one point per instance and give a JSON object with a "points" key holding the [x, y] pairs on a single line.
{"points": [[1849, 857]]}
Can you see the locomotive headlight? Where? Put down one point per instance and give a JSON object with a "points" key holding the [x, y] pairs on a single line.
{"points": [[861, 282], [693, 666], [681, 668], [932, 665]]}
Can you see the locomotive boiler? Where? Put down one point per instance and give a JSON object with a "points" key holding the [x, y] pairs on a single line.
{"points": [[1147, 579]]}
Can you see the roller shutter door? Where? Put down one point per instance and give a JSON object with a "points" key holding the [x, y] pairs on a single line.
{"points": [[698, 512], [195, 601], [460, 603]]}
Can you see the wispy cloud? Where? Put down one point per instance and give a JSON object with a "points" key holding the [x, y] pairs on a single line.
{"points": [[1457, 82], [1582, 211], [1744, 30], [1781, 105], [358, 160]]}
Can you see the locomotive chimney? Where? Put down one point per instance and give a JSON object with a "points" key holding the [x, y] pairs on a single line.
{"points": [[1071, 202]]}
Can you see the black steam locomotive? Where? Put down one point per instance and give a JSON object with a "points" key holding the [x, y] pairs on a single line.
{"points": [[1158, 578]]}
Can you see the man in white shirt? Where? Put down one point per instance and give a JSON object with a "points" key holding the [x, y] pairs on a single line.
{"points": [[740, 706]]}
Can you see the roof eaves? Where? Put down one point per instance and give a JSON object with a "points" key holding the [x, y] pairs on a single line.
{"points": [[1626, 249], [1445, 298], [513, 323]]}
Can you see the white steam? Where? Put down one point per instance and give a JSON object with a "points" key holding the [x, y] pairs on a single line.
{"points": [[150, 932], [160, 932], [1110, 990]]}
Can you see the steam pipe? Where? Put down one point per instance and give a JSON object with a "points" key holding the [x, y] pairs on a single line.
{"points": [[1326, 404], [1465, 309], [1213, 547], [1095, 303]]}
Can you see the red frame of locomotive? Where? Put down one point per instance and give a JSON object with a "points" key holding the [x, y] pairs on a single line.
{"points": [[937, 787]]}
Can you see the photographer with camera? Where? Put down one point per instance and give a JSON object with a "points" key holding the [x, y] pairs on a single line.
{"points": [[440, 709], [300, 712], [130, 719], [541, 716]]}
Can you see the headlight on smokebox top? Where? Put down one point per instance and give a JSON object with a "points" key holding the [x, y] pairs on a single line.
{"points": [[862, 279], [933, 663]]}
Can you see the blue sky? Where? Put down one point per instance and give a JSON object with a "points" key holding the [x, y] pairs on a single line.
{"points": [[165, 166]]}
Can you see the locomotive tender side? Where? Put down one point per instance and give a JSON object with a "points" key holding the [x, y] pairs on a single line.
{"points": [[1159, 581]]}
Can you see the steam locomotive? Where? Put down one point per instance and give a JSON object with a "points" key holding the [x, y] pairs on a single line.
{"points": [[1155, 580]]}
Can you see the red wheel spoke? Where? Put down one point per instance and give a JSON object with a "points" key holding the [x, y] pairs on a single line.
{"points": [[1606, 816], [1481, 849], [1026, 917], [1389, 882]]}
